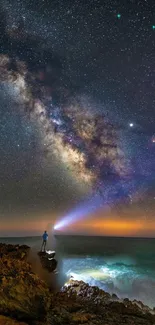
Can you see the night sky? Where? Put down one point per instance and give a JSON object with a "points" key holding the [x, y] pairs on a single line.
{"points": [[77, 112]]}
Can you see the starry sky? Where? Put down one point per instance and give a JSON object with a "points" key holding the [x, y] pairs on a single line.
{"points": [[77, 114]]}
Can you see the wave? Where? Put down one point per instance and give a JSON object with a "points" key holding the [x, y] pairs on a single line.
{"points": [[126, 280], [130, 275]]}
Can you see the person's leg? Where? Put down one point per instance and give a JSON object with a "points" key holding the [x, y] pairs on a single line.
{"points": [[45, 246], [42, 246]]}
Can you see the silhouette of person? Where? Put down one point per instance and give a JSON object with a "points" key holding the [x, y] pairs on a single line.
{"points": [[45, 238]]}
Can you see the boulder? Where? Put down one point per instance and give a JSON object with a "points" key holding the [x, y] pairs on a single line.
{"points": [[48, 261]]}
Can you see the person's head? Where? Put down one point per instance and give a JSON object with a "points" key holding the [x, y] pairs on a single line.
{"points": [[45, 231]]}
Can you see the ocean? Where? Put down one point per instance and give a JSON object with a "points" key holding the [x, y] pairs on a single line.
{"points": [[124, 266]]}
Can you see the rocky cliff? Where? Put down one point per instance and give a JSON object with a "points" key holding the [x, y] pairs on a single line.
{"points": [[26, 299]]}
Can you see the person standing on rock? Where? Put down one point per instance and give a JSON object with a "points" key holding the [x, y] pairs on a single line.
{"points": [[45, 238]]}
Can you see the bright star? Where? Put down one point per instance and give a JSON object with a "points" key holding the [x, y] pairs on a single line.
{"points": [[131, 125], [118, 16], [153, 139]]}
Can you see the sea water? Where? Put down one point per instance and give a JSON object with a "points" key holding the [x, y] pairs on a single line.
{"points": [[124, 266]]}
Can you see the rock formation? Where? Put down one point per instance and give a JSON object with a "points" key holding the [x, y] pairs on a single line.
{"points": [[25, 299]]}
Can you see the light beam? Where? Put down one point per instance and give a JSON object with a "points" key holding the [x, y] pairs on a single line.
{"points": [[81, 211], [105, 196]]}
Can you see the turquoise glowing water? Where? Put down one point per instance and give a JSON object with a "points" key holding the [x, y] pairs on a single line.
{"points": [[123, 278], [125, 266]]}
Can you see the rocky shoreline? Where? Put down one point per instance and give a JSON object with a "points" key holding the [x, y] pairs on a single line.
{"points": [[25, 299]]}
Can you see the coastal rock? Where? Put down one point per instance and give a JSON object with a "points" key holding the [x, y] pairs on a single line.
{"points": [[26, 300], [8, 321], [14, 251], [101, 303], [83, 290], [48, 261], [114, 297], [22, 294]]}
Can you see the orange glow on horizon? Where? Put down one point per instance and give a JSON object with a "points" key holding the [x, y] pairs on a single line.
{"points": [[95, 225], [118, 227], [28, 227], [114, 227]]}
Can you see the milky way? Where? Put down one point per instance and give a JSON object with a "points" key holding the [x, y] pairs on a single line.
{"points": [[79, 79], [86, 143]]}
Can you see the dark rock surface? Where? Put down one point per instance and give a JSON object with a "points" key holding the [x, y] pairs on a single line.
{"points": [[8, 321], [48, 261], [27, 300]]}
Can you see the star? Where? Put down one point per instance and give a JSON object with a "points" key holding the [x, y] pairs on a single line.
{"points": [[74, 94], [80, 141]]}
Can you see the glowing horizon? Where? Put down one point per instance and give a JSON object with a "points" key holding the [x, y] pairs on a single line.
{"points": [[103, 223], [106, 227]]}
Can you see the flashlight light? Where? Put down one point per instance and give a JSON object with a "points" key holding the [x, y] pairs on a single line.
{"points": [[80, 211]]}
